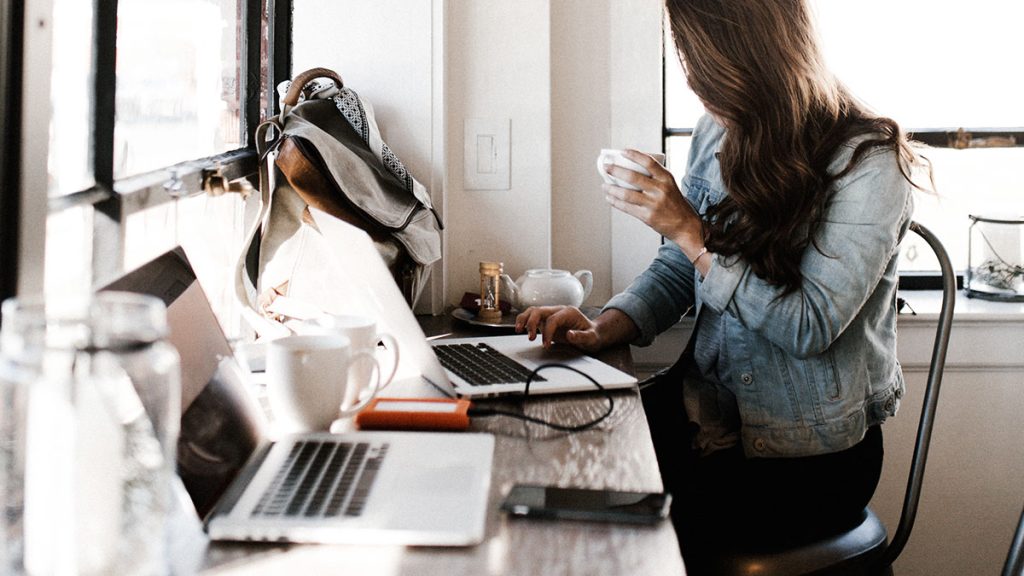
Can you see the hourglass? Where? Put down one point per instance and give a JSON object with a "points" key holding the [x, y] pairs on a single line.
{"points": [[490, 291]]}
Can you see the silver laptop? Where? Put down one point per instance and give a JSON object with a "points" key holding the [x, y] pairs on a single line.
{"points": [[374, 488], [373, 292]]}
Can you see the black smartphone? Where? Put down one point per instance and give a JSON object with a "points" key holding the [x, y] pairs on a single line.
{"points": [[587, 504]]}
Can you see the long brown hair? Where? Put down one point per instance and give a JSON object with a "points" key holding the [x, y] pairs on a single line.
{"points": [[757, 67]]}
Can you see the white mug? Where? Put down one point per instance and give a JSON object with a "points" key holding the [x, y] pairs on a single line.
{"points": [[363, 333], [610, 156], [309, 376]]}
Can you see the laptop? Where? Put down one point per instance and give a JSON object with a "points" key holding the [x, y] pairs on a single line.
{"points": [[367, 488], [373, 292]]}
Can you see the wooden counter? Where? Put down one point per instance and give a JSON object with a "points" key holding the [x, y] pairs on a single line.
{"points": [[617, 454]]}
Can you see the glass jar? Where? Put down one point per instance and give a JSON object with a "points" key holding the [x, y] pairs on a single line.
{"points": [[995, 259], [90, 394]]}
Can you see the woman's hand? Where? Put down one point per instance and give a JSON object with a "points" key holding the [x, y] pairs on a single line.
{"points": [[560, 324], [658, 203]]}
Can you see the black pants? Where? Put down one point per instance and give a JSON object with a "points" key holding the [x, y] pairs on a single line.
{"points": [[726, 497]]}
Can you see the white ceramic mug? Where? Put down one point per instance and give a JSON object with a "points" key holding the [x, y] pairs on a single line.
{"points": [[610, 156], [362, 332], [309, 376]]}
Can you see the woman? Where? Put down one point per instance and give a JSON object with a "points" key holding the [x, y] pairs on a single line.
{"points": [[784, 238]]}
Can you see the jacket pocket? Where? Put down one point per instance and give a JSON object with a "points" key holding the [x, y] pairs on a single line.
{"points": [[833, 386], [813, 386], [825, 387]]}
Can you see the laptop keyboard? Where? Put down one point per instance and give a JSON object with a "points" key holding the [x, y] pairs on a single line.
{"points": [[323, 479], [481, 365]]}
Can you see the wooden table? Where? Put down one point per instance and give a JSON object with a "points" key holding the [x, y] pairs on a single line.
{"points": [[618, 454]]}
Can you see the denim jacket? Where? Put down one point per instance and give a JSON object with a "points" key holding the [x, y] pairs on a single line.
{"points": [[812, 370]]}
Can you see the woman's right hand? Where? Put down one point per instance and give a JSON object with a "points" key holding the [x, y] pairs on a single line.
{"points": [[658, 203], [560, 324]]}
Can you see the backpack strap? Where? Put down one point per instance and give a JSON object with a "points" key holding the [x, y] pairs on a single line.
{"points": [[268, 135]]}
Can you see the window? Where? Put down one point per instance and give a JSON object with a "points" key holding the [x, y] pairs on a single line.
{"points": [[184, 87], [152, 103], [950, 77]]}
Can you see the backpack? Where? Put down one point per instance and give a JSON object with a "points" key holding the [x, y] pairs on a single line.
{"points": [[325, 151]]}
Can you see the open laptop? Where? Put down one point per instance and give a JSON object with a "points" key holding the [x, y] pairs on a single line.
{"points": [[387, 488], [373, 292]]}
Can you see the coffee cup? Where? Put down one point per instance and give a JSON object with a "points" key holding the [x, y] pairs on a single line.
{"points": [[365, 337], [309, 376], [615, 157]]}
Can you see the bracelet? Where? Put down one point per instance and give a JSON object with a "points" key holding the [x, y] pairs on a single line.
{"points": [[703, 251]]}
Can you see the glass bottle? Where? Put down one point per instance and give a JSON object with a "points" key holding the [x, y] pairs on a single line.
{"points": [[93, 389]]}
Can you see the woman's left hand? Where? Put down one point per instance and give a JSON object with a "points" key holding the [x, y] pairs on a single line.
{"points": [[658, 203]]}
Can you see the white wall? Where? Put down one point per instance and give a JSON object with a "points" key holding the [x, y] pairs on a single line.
{"points": [[498, 67], [606, 93], [580, 127], [495, 64], [382, 50], [385, 50], [972, 494], [636, 121], [572, 77]]}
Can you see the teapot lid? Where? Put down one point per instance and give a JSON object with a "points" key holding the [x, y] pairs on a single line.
{"points": [[546, 273]]}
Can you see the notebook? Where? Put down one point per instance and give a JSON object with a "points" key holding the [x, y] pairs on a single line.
{"points": [[373, 292], [374, 488]]}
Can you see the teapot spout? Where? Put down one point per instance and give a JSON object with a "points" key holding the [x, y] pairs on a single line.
{"points": [[510, 290]]}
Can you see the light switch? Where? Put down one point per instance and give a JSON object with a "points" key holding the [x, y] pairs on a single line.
{"points": [[487, 159], [485, 153]]}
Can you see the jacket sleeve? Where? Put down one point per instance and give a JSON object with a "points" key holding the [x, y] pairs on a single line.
{"points": [[660, 295], [665, 290], [867, 217]]}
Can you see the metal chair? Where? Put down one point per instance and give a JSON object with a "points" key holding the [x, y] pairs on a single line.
{"points": [[865, 549], [1015, 557]]}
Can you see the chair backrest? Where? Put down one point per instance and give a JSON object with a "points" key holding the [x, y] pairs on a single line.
{"points": [[1015, 557], [931, 398]]}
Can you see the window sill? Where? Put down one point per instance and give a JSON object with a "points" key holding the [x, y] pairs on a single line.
{"points": [[986, 336], [927, 303]]}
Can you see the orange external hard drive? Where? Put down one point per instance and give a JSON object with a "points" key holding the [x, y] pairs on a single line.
{"points": [[414, 414]]}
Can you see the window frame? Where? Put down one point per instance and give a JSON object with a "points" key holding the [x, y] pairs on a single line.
{"points": [[11, 22], [113, 200]]}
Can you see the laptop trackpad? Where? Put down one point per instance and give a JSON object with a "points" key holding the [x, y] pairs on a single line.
{"points": [[437, 497]]}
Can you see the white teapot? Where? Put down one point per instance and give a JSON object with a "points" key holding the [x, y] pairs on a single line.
{"points": [[546, 287]]}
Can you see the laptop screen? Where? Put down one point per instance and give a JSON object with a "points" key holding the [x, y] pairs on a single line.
{"points": [[221, 423], [373, 292]]}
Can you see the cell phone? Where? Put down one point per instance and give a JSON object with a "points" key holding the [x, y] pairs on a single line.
{"points": [[587, 504]]}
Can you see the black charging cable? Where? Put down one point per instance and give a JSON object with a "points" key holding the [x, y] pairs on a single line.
{"points": [[485, 412], [653, 378]]}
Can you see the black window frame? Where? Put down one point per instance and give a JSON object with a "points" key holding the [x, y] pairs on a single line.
{"points": [[11, 21], [113, 199]]}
